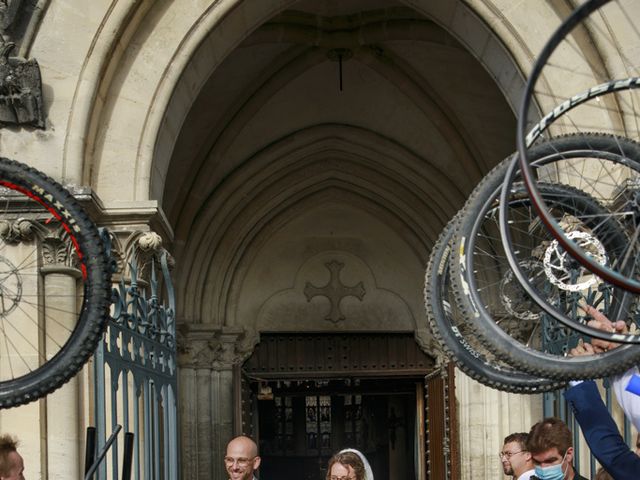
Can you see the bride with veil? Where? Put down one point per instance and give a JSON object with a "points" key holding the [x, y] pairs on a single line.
{"points": [[349, 464]]}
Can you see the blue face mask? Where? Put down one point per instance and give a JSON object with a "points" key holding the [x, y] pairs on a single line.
{"points": [[553, 472]]}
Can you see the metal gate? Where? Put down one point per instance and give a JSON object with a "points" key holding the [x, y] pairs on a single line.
{"points": [[135, 375]]}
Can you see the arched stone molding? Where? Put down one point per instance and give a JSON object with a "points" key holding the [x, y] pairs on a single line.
{"points": [[441, 185], [118, 34], [460, 20], [382, 177], [437, 153], [217, 282], [107, 49], [145, 76], [303, 51], [124, 32], [437, 120], [437, 10]]}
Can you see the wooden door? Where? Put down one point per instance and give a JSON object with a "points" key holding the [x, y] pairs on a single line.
{"points": [[441, 432]]}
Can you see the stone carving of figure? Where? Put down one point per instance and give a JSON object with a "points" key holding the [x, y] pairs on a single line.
{"points": [[20, 89], [8, 13]]}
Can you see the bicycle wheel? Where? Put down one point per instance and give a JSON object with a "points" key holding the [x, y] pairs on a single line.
{"points": [[54, 285], [572, 60], [456, 337], [480, 271], [593, 164]]}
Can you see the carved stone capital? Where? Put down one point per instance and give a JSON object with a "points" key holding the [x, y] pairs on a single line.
{"points": [[21, 230], [57, 252], [137, 249], [149, 242], [147, 249], [56, 248], [211, 347]]}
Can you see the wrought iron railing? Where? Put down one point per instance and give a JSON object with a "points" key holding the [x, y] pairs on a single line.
{"points": [[135, 375], [554, 404]]}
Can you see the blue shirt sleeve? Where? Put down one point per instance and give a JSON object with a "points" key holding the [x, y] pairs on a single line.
{"points": [[601, 432]]}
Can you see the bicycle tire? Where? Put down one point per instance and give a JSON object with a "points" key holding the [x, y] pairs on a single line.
{"points": [[628, 280], [66, 338], [448, 329], [599, 147], [501, 343]]}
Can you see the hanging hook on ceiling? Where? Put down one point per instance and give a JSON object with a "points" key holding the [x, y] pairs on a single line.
{"points": [[339, 55]]}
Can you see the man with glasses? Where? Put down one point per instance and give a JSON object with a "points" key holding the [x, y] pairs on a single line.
{"points": [[516, 461], [241, 460]]}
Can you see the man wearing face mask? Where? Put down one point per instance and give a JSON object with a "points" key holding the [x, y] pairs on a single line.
{"points": [[551, 446]]}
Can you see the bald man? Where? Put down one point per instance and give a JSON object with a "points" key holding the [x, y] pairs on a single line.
{"points": [[242, 459]]}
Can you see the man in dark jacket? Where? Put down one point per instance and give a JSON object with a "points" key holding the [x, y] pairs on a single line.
{"points": [[601, 432]]}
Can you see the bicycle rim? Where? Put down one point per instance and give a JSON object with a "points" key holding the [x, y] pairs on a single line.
{"points": [[54, 285]]}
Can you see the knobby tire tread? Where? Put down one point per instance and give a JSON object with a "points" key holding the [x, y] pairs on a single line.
{"points": [[495, 339], [94, 311], [470, 360]]}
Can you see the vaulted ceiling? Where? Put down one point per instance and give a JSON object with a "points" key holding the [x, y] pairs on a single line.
{"points": [[330, 102]]}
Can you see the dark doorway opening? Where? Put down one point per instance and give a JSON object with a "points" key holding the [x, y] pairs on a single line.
{"points": [[377, 392], [301, 423]]}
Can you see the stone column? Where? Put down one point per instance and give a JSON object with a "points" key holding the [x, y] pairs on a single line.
{"points": [[60, 317], [207, 355], [62, 406], [486, 416]]}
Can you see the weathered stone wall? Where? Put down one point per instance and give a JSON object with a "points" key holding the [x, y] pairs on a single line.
{"points": [[122, 90]]}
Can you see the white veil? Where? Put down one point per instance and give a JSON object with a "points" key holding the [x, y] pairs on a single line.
{"points": [[368, 473]]}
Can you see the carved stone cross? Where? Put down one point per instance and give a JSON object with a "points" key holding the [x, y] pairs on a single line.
{"points": [[335, 291]]}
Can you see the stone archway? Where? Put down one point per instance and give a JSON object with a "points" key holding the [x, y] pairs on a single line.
{"points": [[217, 108], [219, 124], [263, 193]]}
